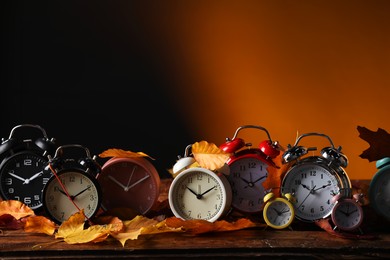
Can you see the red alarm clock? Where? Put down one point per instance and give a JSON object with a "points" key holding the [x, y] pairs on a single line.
{"points": [[249, 169]]}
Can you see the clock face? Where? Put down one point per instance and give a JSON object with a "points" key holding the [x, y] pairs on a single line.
{"points": [[22, 177], [129, 183], [313, 187], [197, 193], [347, 215], [83, 189], [246, 179], [278, 213], [379, 192]]}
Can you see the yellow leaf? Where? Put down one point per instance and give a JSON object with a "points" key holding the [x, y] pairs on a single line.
{"points": [[74, 224], [122, 154], [15, 208], [209, 156], [39, 224], [141, 225], [73, 232]]}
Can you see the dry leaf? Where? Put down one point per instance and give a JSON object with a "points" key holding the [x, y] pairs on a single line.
{"points": [[209, 156], [379, 142], [15, 208], [141, 225], [122, 154], [39, 224], [200, 226], [73, 232], [275, 175]]}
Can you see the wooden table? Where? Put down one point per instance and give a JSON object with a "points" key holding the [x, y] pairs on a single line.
{"points": [[240, 244], [302, 241]]}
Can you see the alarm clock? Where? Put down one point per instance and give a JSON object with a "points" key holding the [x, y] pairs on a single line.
{"points": [[23, 159], [314, 180], [347, 213], [278, 212], [129, 183], [73, 186], [249, 169], [198, 193], [379, 189]]}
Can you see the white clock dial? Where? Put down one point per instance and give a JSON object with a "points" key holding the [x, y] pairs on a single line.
{"points": [[278, 213], [246, 178], [313, 187], [83, 192], [197, 193]]}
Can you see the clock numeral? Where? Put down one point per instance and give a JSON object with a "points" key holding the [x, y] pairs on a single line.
{"points": [[303, 175], [199, 177], [27, 162], [11, 190], [27, 200], [72, 179], [322, 208], [236, 175], [8, 181], [37, 197], [45, 180], [252, 165], [297, 182], [313, 173], [312, 210]]}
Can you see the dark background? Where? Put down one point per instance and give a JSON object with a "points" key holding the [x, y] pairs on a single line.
{"points": [[89, 74]]}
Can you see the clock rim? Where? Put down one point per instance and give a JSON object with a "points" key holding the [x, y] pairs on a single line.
{"points": [[289, 205]]}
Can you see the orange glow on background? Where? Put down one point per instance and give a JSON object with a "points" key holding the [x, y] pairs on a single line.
{"points": [[290, 66]]}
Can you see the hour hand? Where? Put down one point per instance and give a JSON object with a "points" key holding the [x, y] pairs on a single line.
{"points": [[118, 182]]}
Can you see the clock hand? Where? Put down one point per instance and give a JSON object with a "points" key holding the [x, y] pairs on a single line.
{"points": [[193, 192], [304, 186], [310, 192], [131, 176], [27, 181], [137, 182], [260, 178], [17, 177], [322, 187], [277, 212], [74, 196], [118, 182], [207, 191], [63, 192]]}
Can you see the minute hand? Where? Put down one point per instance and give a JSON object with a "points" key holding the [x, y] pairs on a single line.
{"points": [[140, 180], [207, 191], [322, 187]]}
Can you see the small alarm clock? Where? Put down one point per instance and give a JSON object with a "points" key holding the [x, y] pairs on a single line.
{"points": [[73, 186], [249, 169], [278, 212], [379, 189], [198, 193], [315, 180], [347, 214], [22, 175]]}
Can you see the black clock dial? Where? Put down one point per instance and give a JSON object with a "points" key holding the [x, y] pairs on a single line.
{"points": [[22, 177]]}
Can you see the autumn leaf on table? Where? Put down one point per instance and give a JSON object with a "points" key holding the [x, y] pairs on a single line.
{"points": [[72, 230], [141, 225], [209, 156], [15, 208], [122, 154], [379, 142], [39, 224], [200, 226]]}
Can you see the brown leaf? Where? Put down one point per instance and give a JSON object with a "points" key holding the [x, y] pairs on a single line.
{"points": [[379, 142], [15, 208], [200, 226], [209, 156], [39, 224], [122, 154]]}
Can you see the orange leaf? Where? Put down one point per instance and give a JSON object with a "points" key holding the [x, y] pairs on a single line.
{"points": [[15, 208], [209, 156], [39, 224], [379, 142], [275, 175], [122, 154], [199, 226], [141, 225]]}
